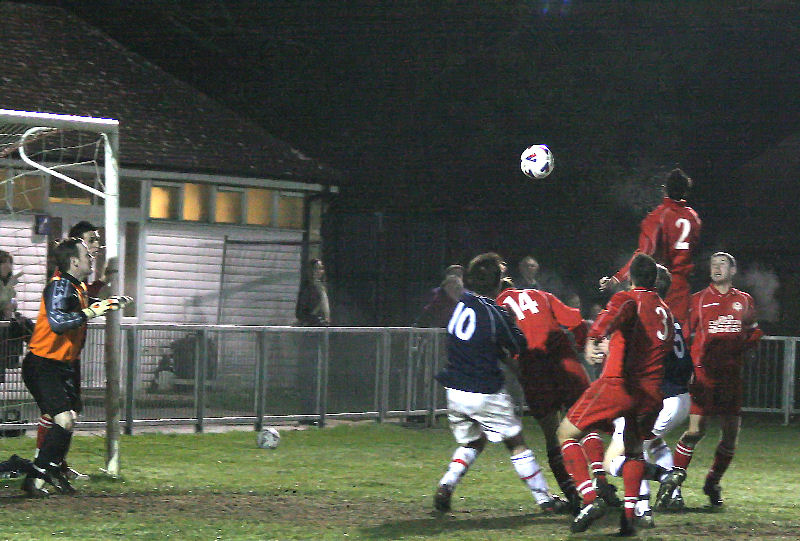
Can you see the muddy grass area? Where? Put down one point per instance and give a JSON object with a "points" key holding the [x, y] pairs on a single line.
{"points": [[382, 518]]}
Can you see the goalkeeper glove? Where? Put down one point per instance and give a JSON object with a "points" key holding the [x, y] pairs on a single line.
{"points": [[99, 308]]}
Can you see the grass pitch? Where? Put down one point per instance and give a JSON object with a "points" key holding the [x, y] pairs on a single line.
{"points": [[369, 481]]}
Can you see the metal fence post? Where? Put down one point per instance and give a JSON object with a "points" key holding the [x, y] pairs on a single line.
{"points": [[323, 365], [789, 360], [200, 360], [412, 362], [131, 363], [386, 373], [431, 368], [261, 368]]}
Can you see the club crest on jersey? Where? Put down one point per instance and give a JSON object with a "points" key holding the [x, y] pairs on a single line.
{"points": [[737, 306]]}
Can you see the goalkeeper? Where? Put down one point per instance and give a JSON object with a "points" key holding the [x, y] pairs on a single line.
{"points": [[53, 353]]}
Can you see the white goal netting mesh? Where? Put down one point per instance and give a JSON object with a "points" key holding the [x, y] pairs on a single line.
{"points": [[60, 156]]}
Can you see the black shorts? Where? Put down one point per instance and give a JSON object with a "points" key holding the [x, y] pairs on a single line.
{"points": [[52, 384]]}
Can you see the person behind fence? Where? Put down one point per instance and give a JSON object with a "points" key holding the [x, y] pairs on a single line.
{"points": [[20, 327], [443, 299], [480, 336], [313, 308], [54, 349]]}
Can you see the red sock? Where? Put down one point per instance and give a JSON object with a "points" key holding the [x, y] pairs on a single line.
{"points": [[722, 459], [593, 447], [41, 431], [575, 463], [682, 454], [632, 473], [556, 462]]}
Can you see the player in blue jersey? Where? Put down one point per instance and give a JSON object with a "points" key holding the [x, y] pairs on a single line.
{"points": [[480, 336]]}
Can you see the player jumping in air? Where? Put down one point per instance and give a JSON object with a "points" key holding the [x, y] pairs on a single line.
{"points": [[480, 336], [670, 234], [723, 324]]}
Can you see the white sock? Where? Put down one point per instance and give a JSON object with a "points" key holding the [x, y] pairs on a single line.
{"points": [[661, 454], [459, 464], [531, 474], [641, 506], [615, 466]]}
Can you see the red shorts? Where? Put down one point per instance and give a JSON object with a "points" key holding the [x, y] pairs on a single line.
{"points": [[609, 398], [678, 298], [716, 397], [550, 385]]}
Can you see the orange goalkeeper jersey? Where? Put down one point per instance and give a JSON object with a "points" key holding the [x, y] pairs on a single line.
{"points": [[60, 329]]}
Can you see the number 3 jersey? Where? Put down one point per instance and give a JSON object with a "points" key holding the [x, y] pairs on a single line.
{"points": [[723, 326], [646, 332], [480, 334]]}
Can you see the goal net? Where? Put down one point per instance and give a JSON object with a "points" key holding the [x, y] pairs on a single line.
{"points": [[46, 160]]}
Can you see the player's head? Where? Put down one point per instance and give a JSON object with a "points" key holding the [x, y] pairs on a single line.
{"points": [[73, 257], [723, 268], [677, 184], [643, 271], [484, 273], [663, 281], [88, 233]]}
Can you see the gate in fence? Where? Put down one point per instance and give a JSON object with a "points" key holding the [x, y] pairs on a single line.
{"points": [[226, 374]]}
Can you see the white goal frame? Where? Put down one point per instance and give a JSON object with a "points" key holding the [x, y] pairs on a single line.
{"points": [[109, 130]]}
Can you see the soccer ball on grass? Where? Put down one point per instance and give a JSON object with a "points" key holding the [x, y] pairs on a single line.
{"points": [[269, 438], [537, 161]]}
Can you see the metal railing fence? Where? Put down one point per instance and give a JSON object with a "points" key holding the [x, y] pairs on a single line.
{"points": [[226, 374]]}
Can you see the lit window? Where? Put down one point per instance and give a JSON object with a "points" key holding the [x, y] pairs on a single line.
{"points": [[290, 210], [259, 206], [229, 206], [164, 202], [195, 202]]}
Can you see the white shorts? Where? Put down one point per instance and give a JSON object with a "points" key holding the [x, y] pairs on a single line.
{"points": [[674, 412], [474, 414]]}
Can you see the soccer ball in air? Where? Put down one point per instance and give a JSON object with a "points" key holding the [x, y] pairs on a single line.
{"points": [[537, 161], [269, 438]]}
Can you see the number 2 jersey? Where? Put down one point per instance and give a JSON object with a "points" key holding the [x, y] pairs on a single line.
{"points": [[723, 326], [480, 335], [669, 234]]}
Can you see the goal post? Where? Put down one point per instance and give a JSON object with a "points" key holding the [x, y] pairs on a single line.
{"points": [[39, 149]]}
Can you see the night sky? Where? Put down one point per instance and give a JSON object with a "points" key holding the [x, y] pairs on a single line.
{"points": [[426, 106]]}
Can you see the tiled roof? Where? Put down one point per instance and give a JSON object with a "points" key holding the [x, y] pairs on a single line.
{"points": [[54, 62]]}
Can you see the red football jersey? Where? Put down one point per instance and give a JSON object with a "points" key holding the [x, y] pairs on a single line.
{"points": [[540, 316], [724, 326], [669, 233], [645, 326]]}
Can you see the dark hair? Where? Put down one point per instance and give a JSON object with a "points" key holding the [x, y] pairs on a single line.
{"points": [[731, 259], [663, 281], [5, 256], [77, 230], [643, 271], [64, 251], [677, 184], [483, 274]]}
